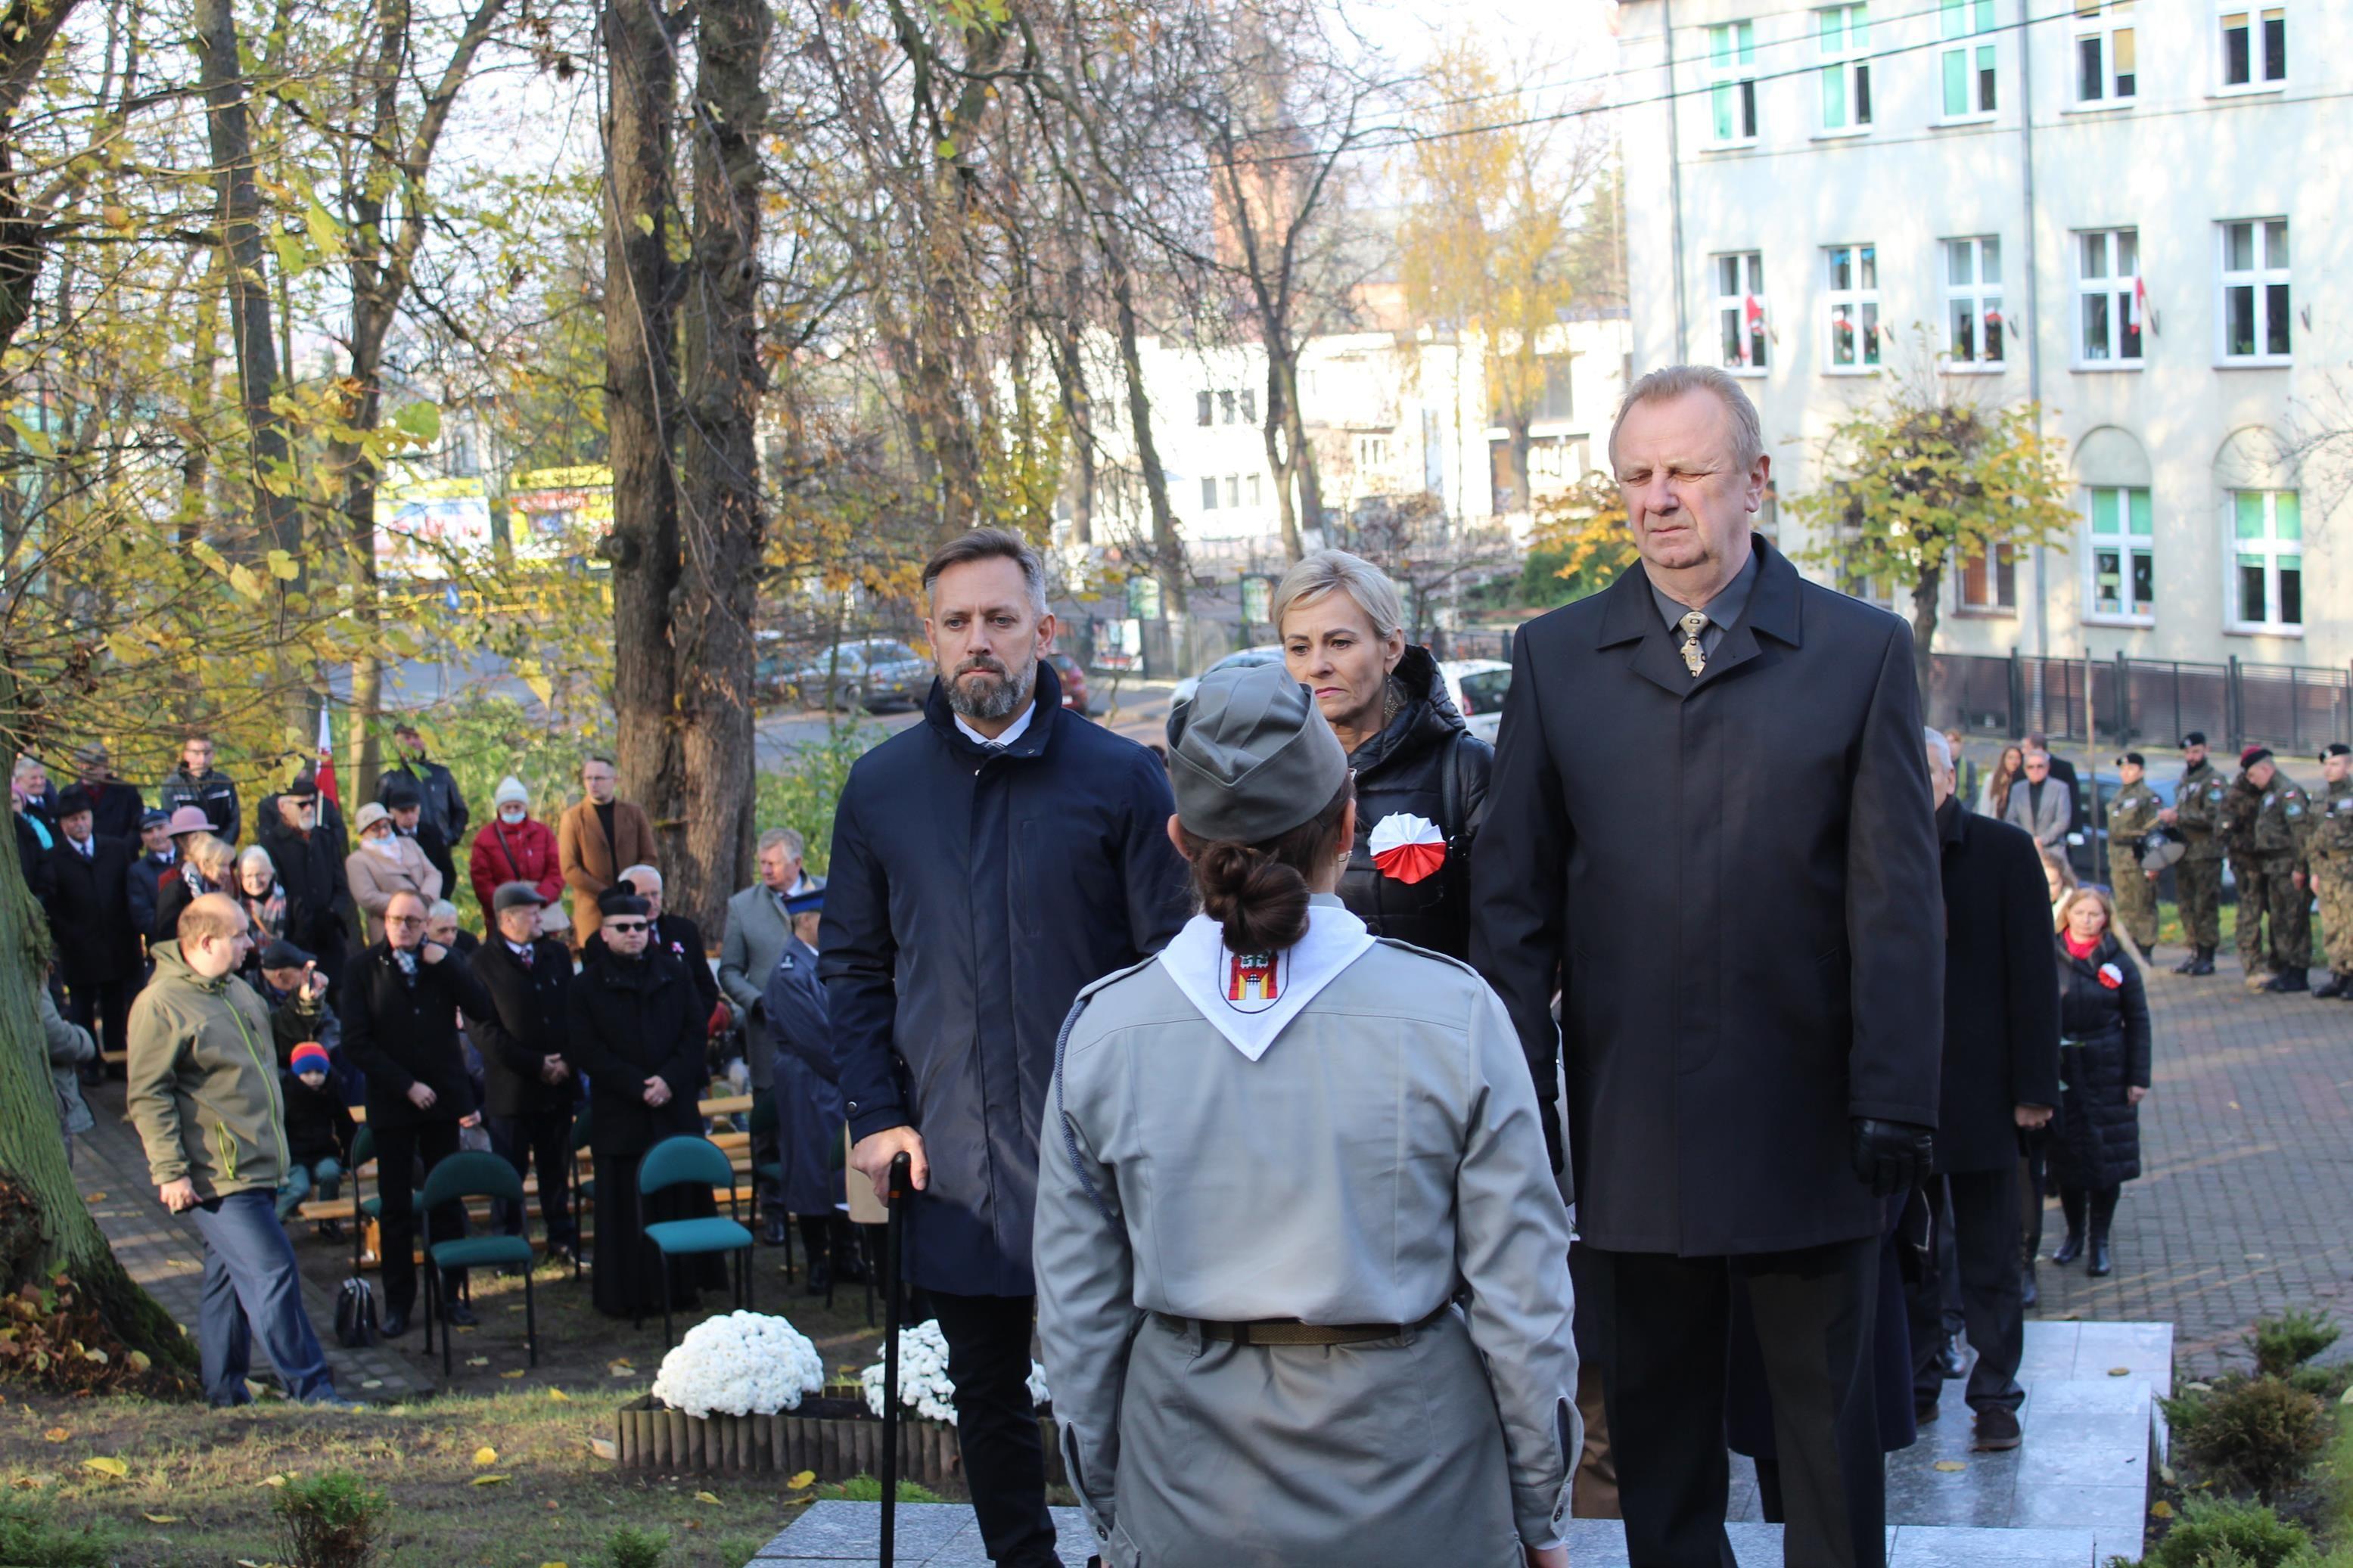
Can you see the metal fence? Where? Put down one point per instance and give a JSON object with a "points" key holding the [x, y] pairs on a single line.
{"points": [[2155, 702]]}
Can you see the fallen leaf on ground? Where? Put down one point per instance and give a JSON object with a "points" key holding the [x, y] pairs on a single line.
{"points": [[558, 1395], [604, 1447], [273, 1480], [554, 1565], [161, 1518], [1949, 1465], [2120, 1371], [2345, 1398], [485, 1456], [373, 1382], [478, 1360], [107, 1465], [516, 1373], [56, 1435], [2165, 1474], [492, 1480], [97, 1197], [801, 1479], [2160, 1509], [27, 1483], [706, 1497], [140, 1361]]}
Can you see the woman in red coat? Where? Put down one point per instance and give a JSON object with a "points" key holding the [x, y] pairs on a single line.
{"points": [[512, 848]]}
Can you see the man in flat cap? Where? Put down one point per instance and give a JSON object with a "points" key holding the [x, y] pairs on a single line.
{"points": [[986, 863], [1710, 832], [2267, 818], [2332, 867], [2131, 812], [2197, 812], [528, 1085]]}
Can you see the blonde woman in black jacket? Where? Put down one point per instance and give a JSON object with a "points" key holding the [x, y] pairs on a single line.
{"points": [[2103, 1065]]}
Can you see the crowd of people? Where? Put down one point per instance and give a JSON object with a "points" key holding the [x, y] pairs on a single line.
{"points": [[267, 1003], [1263, 1083]]}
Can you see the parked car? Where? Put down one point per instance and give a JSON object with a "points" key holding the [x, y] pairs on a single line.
{"points": [[1074, 683], [2087, 842], [872, 674], [1476, 687]]}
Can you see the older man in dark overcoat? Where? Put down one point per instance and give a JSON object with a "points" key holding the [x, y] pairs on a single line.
{"points": [[2000, 1081], [1710, 831]]}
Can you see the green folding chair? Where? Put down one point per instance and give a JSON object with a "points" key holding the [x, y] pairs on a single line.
{"points": [[474, 1173], [771, 1171], [686, 1160]]}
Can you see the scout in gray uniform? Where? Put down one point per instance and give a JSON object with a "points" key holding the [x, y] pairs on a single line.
{"points": [[1302, 1283], [2134, 810]]}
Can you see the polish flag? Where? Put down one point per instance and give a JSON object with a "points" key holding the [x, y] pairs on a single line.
{"points": [[1407, 847], [1752, 310], [326, 769], [2139, 305]]}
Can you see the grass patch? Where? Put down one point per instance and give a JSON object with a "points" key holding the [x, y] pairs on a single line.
{"points": [[868, 1488], [31, 1538]]}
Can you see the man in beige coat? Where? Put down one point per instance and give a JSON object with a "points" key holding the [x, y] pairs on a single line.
{"points": [[386, 862], [595, 838]]}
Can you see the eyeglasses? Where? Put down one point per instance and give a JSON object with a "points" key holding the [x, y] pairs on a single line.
{"points": [[624, 925], [403, 921]]}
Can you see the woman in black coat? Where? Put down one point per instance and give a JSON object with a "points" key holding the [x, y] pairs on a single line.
{"points": [[1342, 634], [636, 1032], [2104, 1061]]}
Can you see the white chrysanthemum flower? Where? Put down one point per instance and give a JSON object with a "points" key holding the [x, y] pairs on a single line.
{"points": [[923, 1383], [745, 1363]]}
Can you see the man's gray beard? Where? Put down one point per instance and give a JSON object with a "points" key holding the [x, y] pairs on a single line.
{"points": [[1001, 700]]}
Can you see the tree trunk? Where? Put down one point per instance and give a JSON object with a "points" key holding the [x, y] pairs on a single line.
{"points": [[204, 348], [1167, 549], [32, 1155], [1924, 625], [270, 479], [1284, 363], [28, 29], [1078, 405], [726, 524], [641, 401]]}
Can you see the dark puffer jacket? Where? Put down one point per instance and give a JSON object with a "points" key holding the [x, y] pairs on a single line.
{"points": [[2104, 1050], [1403, 770]]}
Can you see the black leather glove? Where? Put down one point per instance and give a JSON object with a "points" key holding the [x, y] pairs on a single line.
{"points": [[1890, 1156]]}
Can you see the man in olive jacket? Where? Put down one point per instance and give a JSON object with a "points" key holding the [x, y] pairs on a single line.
{"points": [[203, 1092], [1709, 830]]}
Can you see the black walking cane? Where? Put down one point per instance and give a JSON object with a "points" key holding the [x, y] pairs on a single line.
{"points": [[899, 1181]]}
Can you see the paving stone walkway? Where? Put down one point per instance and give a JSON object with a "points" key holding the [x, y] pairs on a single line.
{"points": [[164, 1253], [2244, 1206]]}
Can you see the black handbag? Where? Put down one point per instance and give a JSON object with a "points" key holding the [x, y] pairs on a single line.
{"points": [[356, 1320]]}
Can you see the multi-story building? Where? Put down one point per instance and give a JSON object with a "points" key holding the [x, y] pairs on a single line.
{"points": [[2119, 209]]}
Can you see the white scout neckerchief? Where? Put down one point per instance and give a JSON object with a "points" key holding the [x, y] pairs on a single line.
{"points": [[1249, 998]]}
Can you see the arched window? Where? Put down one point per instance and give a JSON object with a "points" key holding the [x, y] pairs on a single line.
{"points": [[2262, 517]]}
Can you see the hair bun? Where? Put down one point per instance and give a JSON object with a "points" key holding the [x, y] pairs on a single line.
{"points": [[1261, 902]]}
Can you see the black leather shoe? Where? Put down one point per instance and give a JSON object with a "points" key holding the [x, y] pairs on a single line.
{"points": [[2103, 1262], [773, 1232], [395, 1324], [1997, 1429], [2287, 980], [2204, 964], [2332, 986], [2070, 1249], [457, 1314], [2190, 964], [1950, 1361], [820, 1277]]}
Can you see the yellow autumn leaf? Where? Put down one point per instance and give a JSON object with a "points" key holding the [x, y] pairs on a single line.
{"points": [[2160, 1509], [27, 1483], [485, 1456], [56, 1435], [558, 1395], [96, 1198], [516, 1373], [492, 1480], [1950, 1465], [140, 1361], [706, 1497], [478, 1360], [273, 1480], [2120, 1371], [107, 1465], [161, 1518], [804, 1478]]}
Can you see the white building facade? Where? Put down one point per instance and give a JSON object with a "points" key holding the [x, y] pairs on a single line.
{"points": [[2125, 210]]}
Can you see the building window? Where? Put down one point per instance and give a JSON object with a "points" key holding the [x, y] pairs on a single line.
{"points": [[1853, 306], [2106, 66], [1990, 581], [1968, 67], [1843, 35], [2266, 559], [1731, 76], [2108, 297], [1973, 300], [1372, 451], [2124, 569], [1553, 404], [1225, 407], [2255, 46], [2256, 292], [1202, 404], [1257, 496], [1740, 309], [1250, 406], [1233, 489], [1208, 492]]}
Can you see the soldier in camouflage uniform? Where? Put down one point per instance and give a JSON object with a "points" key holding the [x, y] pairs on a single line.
{"points": [[2197, 812], [2267, 819], [2131, 812], [2332, 868]]}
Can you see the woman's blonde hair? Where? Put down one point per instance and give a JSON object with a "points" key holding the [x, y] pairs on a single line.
{"points": [[1331, 571], [217, 859], [2073, 896], [2052, 861]]}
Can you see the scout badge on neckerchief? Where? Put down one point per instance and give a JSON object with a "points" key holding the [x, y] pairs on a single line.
{"points": [[1249, 997], [1407, 847]]}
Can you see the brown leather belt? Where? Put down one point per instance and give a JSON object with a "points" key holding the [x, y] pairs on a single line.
{"points": [[1291, 1332]]}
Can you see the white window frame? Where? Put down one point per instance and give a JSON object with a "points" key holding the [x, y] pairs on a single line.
{"points": [[2114, 295], [1860, 299], [1999, 557], [2256, 16], [1731, 82], [1969, 32], [1983, 298], [1747, 267], [2265, 237], [2128, 544], [2274, 551], [1847, 63], [1208, 492], [2109, 25]]}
